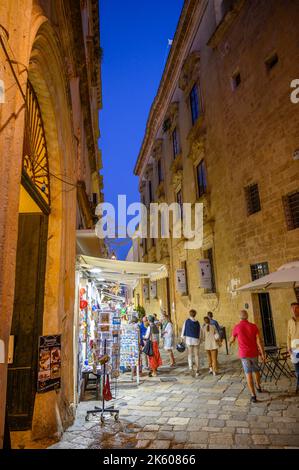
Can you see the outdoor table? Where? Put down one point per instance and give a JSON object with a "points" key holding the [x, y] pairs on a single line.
{"points": [[276, 364]]}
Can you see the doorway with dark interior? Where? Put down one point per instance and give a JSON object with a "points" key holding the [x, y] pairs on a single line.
{"points": [[267, 319]]}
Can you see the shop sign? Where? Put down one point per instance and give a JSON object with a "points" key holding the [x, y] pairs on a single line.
{"points": [[181, 281], [153, 290], [49, 363], [205, 273]]}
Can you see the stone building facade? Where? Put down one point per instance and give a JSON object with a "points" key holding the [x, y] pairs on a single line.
{"points": [[223, 131], [49, 169]]}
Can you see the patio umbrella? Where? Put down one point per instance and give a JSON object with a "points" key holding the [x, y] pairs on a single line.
{"points": [[287, 276]]}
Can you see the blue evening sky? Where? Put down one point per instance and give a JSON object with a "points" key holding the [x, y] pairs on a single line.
{"points": [[134, 38]]}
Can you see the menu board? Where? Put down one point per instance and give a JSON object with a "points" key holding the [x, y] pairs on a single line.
{"points": [[49, 363], [129, 346]]}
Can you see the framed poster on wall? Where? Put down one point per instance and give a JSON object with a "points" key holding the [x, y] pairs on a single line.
{"points": [[205, 274], [145, 291], [153, 290], [181, 286]]}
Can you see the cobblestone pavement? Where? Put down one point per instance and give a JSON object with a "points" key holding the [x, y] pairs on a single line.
{"points": [[177, 410]]}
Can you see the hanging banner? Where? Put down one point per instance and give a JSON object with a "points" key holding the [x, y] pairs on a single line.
{"points": [[205, 274], [181, 281], [153, 290], [145, 291], [49, 370]]}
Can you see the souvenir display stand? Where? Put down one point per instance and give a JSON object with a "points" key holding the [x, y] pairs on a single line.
{"points": [[129, 348], [106, 349]]}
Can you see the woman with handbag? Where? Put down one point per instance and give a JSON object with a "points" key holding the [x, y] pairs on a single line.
{"points": [[151, 347], [211, 340]]}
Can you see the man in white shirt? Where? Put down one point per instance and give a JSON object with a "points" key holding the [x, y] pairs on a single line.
{"points": [[191, 336]]}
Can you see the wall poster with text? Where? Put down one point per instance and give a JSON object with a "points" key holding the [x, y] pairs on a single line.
{"points": [[49, 363]]}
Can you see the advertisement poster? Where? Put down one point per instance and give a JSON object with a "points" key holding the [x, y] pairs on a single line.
{"points": [[205, 274], [49, 363], [181, 281], [153, 290]]}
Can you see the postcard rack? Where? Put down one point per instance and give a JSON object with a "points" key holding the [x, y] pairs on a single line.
{"points": [[106, 350]]}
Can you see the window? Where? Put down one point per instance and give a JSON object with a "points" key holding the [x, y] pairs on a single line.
{"points": [[175, 143], [291, 209], [236, 80], [159, 171], [179, 200], [209, 255], [271, 61], [259, 270], [194, 104], [201, 178], [150, 191], [252, 199]]}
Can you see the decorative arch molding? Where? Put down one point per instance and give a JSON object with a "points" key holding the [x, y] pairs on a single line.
{"points": [[48, 75]]}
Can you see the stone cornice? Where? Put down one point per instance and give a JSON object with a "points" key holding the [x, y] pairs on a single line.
{"points": [[73, 10], [192, 12]]}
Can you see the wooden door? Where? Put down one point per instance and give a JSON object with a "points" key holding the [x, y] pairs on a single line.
{"points": [[27, 318]]}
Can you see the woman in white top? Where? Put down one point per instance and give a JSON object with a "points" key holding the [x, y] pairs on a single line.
{"points": [[211, 340], [168, 336]]}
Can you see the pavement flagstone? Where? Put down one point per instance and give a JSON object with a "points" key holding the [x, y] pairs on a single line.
{"points": [[192, 413]]}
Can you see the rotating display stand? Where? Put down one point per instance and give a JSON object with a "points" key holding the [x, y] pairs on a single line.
{"points": [[104, 409], [106, 347]]}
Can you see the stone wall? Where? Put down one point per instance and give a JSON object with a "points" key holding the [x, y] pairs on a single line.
{"points": [[247, 135]]}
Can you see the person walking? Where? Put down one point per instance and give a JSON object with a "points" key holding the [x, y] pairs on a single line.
{"points": [[214, 322], [152, 334], [168, 336], [293, 339], [250, 347], [211, 344], [217, 326], [191, 336]]}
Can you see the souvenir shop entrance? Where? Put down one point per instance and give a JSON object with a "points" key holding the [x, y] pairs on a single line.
{"points": [[108, 339]]}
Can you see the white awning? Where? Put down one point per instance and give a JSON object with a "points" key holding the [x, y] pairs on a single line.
{"points": [[287, 276], [125, 272]]}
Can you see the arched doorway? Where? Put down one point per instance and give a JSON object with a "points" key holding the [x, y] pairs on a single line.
{"points": [[34, 209]]}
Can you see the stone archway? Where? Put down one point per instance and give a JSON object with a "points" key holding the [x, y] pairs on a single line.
{"points": [[47, 74]]}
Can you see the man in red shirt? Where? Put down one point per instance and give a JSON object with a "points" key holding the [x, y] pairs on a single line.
{"points": [[250, 347]]}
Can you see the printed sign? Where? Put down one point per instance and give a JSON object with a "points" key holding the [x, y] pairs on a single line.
{"points": [[153, 290], [181, 281], [49, 363], [205, 274]]}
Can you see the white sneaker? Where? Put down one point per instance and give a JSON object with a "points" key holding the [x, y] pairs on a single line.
{"points": [[210, 370], [197, 374], [214, 373]]}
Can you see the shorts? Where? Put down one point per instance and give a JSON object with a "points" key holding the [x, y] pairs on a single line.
{"points": [[250, 364]]}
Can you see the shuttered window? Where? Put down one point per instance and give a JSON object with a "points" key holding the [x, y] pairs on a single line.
{"points": [[252, 199], [291, 209]]}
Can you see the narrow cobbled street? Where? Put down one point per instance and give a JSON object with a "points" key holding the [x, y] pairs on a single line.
{"points": [[177, 410]]}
